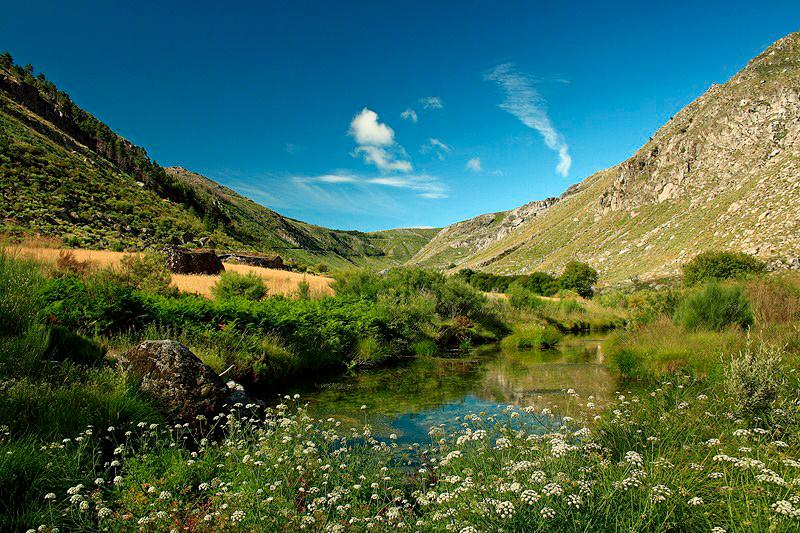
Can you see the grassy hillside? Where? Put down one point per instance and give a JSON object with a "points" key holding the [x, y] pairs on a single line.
{"points": [[722, 173], [65, 174]]}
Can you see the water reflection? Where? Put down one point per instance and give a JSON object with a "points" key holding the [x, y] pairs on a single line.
{"points": [[409, 399]]}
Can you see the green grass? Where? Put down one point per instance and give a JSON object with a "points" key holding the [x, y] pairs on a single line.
{"points": [[531, 337]]}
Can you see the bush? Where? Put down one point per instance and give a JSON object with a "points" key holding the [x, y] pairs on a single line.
{"points": [[716, 265], [579, 277], [715, 308], [532, 337], [754, 378], [147, 272], [521, 298], [235, 285]]}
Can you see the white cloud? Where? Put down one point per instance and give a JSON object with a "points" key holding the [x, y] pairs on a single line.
{"points": [[376, 143], [431, 102], [409, 114], [328, 178], [366, 129], [524, 102], [425, 186], [474, 164], [383, 159], [437, 147]]}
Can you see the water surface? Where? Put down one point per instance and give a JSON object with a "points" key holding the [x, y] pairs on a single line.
{"points": [[410, 398]]}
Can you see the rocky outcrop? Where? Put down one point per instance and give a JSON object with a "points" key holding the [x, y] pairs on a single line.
{"points": [[471, 236], [171, 373], [722, 174], [183, 261], [186, 388]]}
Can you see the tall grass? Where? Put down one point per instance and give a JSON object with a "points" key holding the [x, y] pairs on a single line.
{"points": [[715, 307]]}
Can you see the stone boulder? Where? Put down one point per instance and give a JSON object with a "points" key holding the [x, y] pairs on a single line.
{"points": [[184, 261], [263, 261], [168, 371]]}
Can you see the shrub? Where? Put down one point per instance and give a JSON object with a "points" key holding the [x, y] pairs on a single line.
{"points": [[424, 348], [532, 337], [369, 351], [64, 345], [146, 272], [67, 262], [753, 378], [717, 265], [715, 307], [235, 285], [522, 298], [303, 290], [580, 278]]}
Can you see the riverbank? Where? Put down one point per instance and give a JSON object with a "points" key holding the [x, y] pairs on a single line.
{"points": [[83, 449]]}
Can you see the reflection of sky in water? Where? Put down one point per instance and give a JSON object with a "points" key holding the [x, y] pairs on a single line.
{"points": [[414, 427], [411, 398]]}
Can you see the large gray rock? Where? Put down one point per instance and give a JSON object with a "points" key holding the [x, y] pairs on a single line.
{"points": [[171, 373]]}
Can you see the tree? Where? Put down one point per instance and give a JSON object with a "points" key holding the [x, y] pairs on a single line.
{"points": [[6, 60], [579, 277]]}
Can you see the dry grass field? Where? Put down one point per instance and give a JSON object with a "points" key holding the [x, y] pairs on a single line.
{"points": [[277, 281]]}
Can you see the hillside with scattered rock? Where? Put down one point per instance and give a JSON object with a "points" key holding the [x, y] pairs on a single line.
{"points": [[66, 174], [724, 173]]}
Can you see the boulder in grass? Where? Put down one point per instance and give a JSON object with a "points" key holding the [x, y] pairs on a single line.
{"points": [[169, 372], [185, 261]]}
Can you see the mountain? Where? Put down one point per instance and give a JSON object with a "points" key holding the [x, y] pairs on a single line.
{"points": [[724, 173], [65, 174]]}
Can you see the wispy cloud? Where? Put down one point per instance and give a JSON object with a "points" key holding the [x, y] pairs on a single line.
{"points": [[524, 102], [474, 164], [431, 102], [376, 144], [437, 147], [327, 178], [424, 185], [409, 114]]}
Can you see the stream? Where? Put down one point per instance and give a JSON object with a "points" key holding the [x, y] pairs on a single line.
{"points": [[410, 398]]}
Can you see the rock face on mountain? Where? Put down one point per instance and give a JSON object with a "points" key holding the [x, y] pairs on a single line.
{"points": [[462, 239], [723, 173]]}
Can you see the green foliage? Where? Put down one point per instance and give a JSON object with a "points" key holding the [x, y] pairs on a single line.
{"points": [[522, 298], [715, 307], [21, 295], [531, 337], [147, 272], [231, 285], [538, 283], [64, 345], [720, 265], [579, 277], [453, 296], [303, 290], [754, 378]]}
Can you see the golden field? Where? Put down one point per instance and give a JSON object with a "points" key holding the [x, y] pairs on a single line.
{"points": [[278, 281]]}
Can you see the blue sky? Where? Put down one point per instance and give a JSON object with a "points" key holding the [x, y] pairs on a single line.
{"points": [[372, 115]]}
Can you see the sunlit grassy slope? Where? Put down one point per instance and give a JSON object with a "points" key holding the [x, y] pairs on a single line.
{"points": [[722, 173]]}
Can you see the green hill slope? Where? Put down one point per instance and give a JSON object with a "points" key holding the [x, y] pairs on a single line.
{"points": [[65, 174], [722, 173]]}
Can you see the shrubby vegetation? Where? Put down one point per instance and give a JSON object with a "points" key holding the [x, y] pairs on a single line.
{"points": [[720, 265], [232, 285], [578, 277], [712, 442], [715, 307]]}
